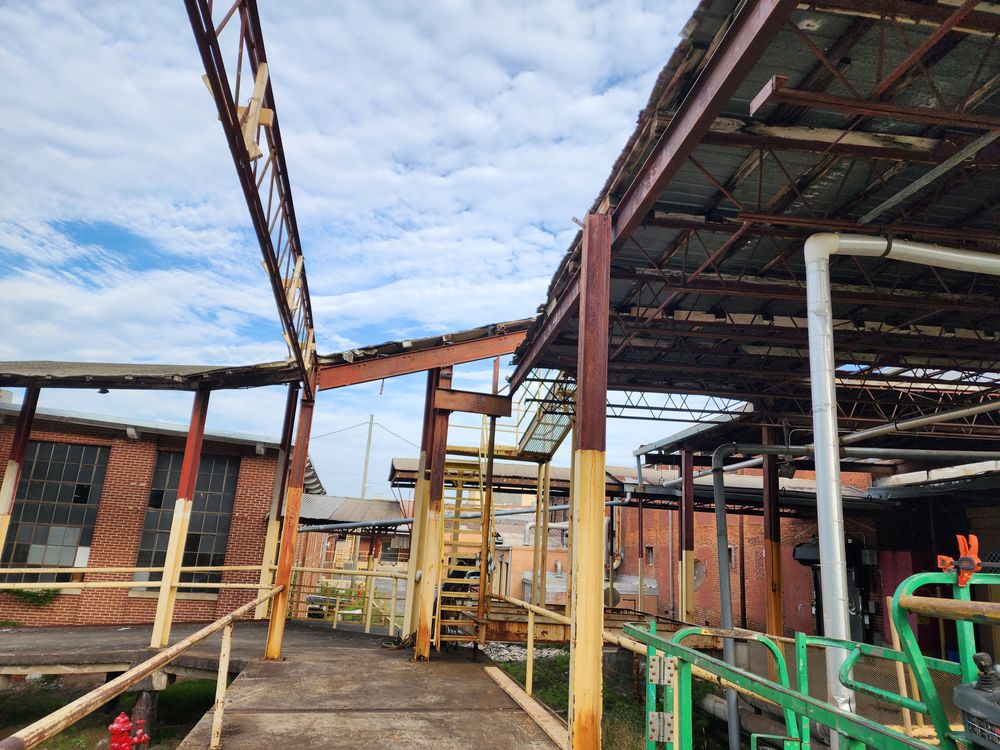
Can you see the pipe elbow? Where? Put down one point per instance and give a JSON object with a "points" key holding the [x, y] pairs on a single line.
{"points": [[821, 246]]}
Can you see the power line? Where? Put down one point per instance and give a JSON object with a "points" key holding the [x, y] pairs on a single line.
{"points": [[397, 436], [344, 429]]}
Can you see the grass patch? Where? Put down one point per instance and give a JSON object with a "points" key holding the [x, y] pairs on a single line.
{"points": [[623, 723], [179, 708]]}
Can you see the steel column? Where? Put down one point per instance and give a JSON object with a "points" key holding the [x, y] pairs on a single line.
{"points": [[773, 592], [587, 624], [430, 554], [543, 582], [290, 527], [280, 483], [178, 530], [685, 529], [419, 511], [12, 475]]}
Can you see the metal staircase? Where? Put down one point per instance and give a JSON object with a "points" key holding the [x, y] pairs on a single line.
{"points": [[460, 610]]}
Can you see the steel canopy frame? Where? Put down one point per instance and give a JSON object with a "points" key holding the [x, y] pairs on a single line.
{"points": [[265, 184], [750, 35]]}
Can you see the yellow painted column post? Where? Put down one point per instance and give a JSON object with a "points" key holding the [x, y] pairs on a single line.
{"points": [[570, 514], [179, 524], [417, 532], [587, 623], [266, 573], [12, 473], [416, 548], [543, 573], [536, 546], [430, 563], [289, 529], [273, 531], [686, 528]]}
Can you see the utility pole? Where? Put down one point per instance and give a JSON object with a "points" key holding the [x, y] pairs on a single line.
{"points": [[368, 455]]}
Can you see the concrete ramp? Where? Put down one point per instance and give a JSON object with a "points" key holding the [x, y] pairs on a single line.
{"points": [[343, 690]]}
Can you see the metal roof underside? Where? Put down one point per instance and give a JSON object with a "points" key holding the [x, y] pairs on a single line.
{"points": [[318, 508], [136, 376], [708, 293]]}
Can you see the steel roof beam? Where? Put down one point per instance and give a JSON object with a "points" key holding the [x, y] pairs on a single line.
{"points": [[776, 90], [751, 33], [790, 291], [884, 146], [909, 12], [265, 183], [392, 365]]}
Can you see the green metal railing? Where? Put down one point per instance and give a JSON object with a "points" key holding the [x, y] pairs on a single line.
{"points": [[670, 663]]}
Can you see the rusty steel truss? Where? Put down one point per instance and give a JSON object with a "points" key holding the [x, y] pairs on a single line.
{"points": [[773, 121], [254, 140]]}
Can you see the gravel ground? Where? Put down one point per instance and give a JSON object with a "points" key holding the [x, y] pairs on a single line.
{"points": [[504, 652]]}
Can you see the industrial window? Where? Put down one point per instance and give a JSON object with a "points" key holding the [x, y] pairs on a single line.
{"points": [[397, 550], [52, 521], [649, 554], [211, 508]]}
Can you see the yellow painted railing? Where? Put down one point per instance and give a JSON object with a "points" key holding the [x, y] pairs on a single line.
{"points": [[49, 726]]}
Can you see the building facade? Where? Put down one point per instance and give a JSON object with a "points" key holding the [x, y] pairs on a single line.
{"points": [[99, 493]]}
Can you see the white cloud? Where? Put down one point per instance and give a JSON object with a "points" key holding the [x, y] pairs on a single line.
{"points": [[437, 152]]}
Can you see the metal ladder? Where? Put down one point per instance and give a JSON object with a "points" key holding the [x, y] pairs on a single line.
{"points": [[460, 593]]}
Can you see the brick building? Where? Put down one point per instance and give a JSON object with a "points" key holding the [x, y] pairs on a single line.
{"points": [[746, 538], [98, 492]]}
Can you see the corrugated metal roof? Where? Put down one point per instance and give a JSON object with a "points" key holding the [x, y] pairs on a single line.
{"points": [[338, 509], [143, 376], [922, 339], [9, 410]]}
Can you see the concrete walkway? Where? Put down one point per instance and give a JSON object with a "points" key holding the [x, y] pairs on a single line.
{"points": [[343, 690]]}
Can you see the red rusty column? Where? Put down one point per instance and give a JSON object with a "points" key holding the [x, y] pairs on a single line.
{"points": [[773, 592], [686, 533], [280, 485], [12, 474], [182, 515], [289, 528], [589, 488]]}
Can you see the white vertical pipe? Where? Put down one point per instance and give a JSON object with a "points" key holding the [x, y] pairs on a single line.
{"points": [[822, 371], [829, 507]]}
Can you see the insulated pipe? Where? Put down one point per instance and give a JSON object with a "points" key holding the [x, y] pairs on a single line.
{"points": [[822, 377], [722, 532], [725, 594], [922, 421]]}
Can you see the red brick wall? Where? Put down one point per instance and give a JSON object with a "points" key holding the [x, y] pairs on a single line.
{"points": [[118, 528], [797, 579]]}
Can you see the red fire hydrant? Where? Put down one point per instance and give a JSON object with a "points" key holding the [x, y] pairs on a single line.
{"points": [[121, 733]]}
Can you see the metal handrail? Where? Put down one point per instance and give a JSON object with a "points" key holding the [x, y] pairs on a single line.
{"points": [[689, 660], [49, 726]]}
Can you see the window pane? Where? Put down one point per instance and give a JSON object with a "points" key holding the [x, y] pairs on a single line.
{"points": [[49, 525], [208, 530]]}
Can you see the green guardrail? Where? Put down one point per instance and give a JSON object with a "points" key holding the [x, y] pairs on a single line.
{"points": [[669, 674]]}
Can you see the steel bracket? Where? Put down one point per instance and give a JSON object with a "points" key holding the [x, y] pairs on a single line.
{"points": [[661, 670], [660, 726]]}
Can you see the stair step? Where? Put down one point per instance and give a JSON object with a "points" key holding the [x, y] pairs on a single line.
{"points": [[459, 638]]}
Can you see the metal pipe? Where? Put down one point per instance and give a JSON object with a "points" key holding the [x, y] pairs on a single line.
{"points": [[829, 503], [822, 378], [725, 593], [922, 421], [719, 468]]}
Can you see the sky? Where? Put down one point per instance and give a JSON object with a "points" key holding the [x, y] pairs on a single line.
{"points": [[437, 153]]}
